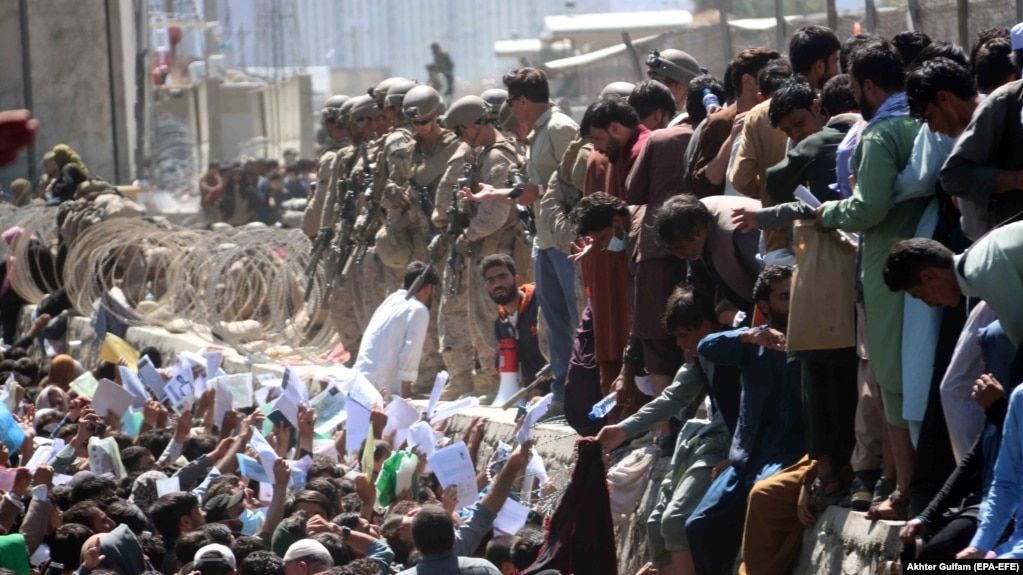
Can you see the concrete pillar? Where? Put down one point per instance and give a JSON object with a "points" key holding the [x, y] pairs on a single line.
{"points": [[12, 83]]}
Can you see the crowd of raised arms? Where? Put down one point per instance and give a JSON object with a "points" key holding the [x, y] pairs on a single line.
{"points": [[798, 281]]}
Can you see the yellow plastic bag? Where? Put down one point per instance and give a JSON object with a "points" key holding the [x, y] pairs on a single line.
{"points": [[822, 307]]}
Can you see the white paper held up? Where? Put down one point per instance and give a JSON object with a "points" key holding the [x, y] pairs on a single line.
{"points": [[453, 467], [532, 416]]}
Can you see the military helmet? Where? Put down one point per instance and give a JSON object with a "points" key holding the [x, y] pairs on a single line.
{"points": [[495, 97], [363, 107], [332, 107], [466, 111], [346, 110], [396, 93], [422, 103], [674, 65], [621, 89], [509, 123], [380, 90]]}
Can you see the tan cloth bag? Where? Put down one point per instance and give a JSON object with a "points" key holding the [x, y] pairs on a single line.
{"points": [[822, 308]]}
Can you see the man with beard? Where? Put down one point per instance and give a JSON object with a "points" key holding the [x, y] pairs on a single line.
{"points": [[393, 343], [886, 142], [769, 433], [517, 314]]}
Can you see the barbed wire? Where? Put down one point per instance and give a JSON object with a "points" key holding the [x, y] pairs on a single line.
{"points": [[39, 225]]}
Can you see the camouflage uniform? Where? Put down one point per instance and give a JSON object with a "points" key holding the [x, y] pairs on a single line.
{"points": [[493, 228], [408, 227], [373, 281], [342, 293]]}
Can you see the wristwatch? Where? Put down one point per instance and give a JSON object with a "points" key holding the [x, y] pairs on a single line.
{"points": [[345, 532], [515, 193]]}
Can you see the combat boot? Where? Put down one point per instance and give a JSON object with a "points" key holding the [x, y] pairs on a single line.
{"points": [[459, 386], [485, 386]]}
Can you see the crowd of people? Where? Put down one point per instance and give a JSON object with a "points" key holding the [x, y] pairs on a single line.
{"points": [[254, 190], [799, 281]]}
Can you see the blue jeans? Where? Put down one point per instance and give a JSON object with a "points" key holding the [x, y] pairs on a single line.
{"points": [[555, 291], [714, 530]]}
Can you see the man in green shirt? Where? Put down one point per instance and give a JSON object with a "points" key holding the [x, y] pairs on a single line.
{"points": [[883, 151]]}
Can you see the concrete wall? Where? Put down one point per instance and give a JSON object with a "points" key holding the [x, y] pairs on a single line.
{"points": [[285, 116], [236, 118], [80, 83]]}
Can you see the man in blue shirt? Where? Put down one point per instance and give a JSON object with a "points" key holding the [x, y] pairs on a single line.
{"points": [[769, 433]]}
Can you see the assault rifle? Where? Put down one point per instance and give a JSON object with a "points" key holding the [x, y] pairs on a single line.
{"points": [[457, 222], [366, 227], [342, 246], [524, 213]]}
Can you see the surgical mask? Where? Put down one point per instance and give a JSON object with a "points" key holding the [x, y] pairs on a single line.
{"points": [[616, 244], [251, 521]]}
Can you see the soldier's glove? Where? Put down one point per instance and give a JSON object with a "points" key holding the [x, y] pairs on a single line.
{"points": [[463, 246], [436, 248]]}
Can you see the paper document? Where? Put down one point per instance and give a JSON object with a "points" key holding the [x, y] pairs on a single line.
{"points": [[325, 447], [114, 348], [111, 398], [180, 388], [249, 467], [213, 358], [420, 436], [454, 470], [400, 416], [293, 386], [532, 416], [169, 485], [511, 518], [329, 406], [105, 457], [152, 378], [41, 456], [85, 385], [453, 408], [438, 387], [357, 427], [267, 455], [232, 392], [11, 433], [133, 384]]}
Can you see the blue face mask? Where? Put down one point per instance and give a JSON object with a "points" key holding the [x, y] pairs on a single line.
{"points": [[616, 244], [251, 521]]}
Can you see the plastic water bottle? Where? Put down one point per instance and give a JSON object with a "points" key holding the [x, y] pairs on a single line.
{"points": [[710, 99], [604, 406]]}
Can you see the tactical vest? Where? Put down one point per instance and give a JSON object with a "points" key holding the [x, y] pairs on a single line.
{"points": [[428, 170]]}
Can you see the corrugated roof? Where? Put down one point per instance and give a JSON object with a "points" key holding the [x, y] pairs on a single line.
{"points": [[563, 26], [565, 64]]}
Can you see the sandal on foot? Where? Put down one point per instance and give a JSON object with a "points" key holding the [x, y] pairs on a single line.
{"points": [[895, 508]]}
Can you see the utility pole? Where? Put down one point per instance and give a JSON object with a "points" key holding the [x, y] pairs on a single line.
{"points": [[726, 31], [779, 18], [833, 15], [963, 12], [870, 18]]}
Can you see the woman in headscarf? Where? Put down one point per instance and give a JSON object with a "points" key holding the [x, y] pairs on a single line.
{"points": [[54, 397], [72, 172], [62, 371]]}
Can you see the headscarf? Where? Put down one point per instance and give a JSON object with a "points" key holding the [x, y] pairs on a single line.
{"points": [[580, 534], [62, 371], [43, 400], [64, 155], [21, 189], [143, 491]]}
